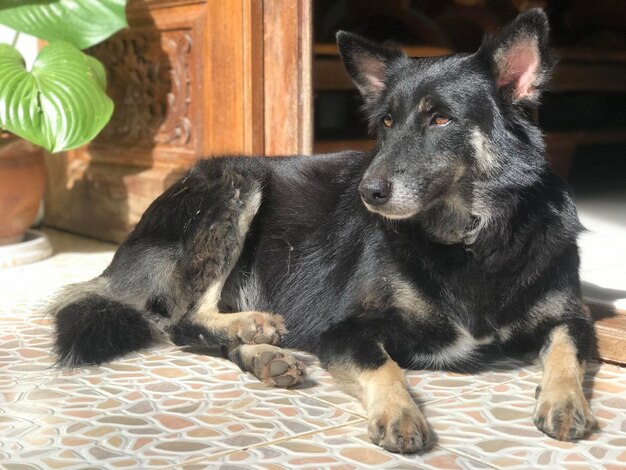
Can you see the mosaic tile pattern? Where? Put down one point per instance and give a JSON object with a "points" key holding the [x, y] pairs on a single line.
{"points": [[173, 408]]}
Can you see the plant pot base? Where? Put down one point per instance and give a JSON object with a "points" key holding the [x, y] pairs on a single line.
{"points": [[11, 240], [34, 246]]}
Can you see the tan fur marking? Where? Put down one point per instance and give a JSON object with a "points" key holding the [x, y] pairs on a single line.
{"points": [[251, 327], [562, 411], [407, 298], [247, 327], [424, 105], [252, 207], [549, 307], [395, 421], [561, 368], [486, 159], [207, 307], [385, 384]]}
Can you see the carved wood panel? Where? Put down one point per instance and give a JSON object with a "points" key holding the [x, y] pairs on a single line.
{"points": [[150, 83], [187, 79]]}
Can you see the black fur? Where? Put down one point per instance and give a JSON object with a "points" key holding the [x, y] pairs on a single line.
{"points": [[478, 233], [94, 330]]}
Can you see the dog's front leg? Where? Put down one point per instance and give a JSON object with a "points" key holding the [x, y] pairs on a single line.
{"points": [[562, 411], [365, 370]]}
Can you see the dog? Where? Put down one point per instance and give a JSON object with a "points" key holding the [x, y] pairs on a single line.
{"points": [[450, 242]]}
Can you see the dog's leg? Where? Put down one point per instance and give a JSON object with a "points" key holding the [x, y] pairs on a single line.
{"points": [[562, 411], [210, 254], [395, 421], [364, 369], [271, 365], [207, 326]]}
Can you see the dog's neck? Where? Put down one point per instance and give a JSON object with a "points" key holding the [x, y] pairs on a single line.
{"points": [[448, 221], [457, 218]]}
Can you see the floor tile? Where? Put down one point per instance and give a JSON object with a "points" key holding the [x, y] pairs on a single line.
{"points": [[171, 405], [346, 447], [172, 408], [495, 425], [426, 386]]}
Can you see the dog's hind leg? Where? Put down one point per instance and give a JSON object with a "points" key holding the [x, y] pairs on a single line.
{"points": [[562, 411], [209, 256], [207, 326], [168, 275]]}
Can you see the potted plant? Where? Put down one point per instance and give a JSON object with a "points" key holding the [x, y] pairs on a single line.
{"points": [[59, 104]]}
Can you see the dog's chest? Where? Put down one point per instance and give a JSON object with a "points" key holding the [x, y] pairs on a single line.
{"points": [[461, 350], [465, 319]]}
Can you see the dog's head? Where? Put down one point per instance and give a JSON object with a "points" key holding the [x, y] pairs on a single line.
{"points": [[443, 122]]}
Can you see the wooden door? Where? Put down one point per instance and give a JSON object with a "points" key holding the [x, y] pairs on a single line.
{"points": [[190, 79]]}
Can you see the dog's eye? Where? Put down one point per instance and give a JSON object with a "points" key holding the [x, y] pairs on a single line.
{"points": [[387, 120], [440, 120]]}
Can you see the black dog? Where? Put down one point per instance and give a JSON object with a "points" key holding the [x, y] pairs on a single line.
{"points": [[450, 241]]}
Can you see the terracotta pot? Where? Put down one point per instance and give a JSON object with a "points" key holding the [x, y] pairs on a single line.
{"points": [[22, 180]]}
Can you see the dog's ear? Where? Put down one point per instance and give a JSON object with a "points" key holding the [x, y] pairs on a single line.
{"points": [[367, 63], [520, 57]]}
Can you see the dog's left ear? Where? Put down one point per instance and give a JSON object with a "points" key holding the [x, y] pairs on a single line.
{"points": [[367, 63], [520, 57]]}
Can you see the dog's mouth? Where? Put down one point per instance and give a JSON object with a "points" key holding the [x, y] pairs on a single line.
{"points": [[406, 202], [399, 200], [391, 212]]}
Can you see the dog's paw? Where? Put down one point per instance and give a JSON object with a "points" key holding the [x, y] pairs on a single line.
{"points": [[260, 328], [565, 418], [402, 429], [276, 367]]}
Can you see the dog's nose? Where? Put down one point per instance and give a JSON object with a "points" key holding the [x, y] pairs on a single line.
{"points": [[375, 191]]}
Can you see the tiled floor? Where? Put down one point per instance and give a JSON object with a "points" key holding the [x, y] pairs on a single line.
{"points": [[168, 408]]}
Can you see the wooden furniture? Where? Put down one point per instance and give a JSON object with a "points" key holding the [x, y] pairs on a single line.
{"points": [[190, 79]]}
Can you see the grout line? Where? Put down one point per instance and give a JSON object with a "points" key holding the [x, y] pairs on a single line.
{"points": [[363, 418], [425, 403], [264, 444], [471, 457], [483, 387], [321, 400]]}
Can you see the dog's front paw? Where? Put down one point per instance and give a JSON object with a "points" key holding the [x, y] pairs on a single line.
{"points": [[260, 328], [563, 416], [400, 428]]}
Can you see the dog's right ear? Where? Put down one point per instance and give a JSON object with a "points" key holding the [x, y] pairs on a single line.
{"points": [[520, 57], [367, 63]]}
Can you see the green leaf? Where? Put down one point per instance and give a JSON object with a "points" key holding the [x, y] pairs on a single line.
{"points": [[82, 23], [60, 104]]}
